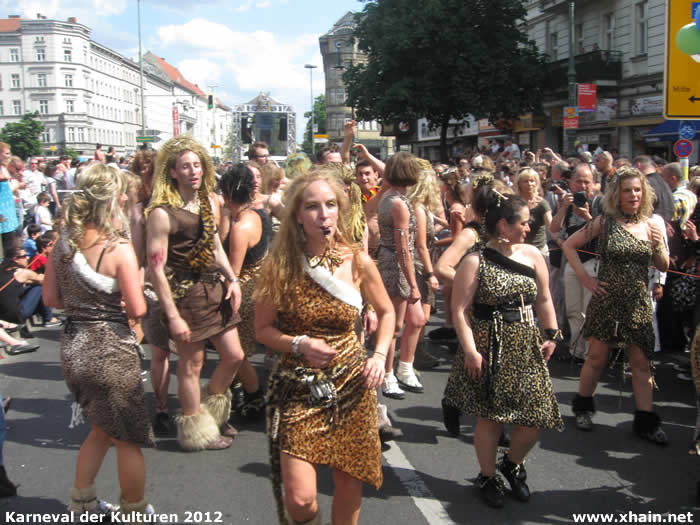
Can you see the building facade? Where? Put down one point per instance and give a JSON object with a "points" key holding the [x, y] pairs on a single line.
{"points": [[619, 45], [86, 93], [339, 51]]}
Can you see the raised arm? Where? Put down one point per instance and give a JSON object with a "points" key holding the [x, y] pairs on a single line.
{"points": [[348, 136], [362, 152]]}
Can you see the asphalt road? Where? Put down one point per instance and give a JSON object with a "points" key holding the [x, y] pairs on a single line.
{"points": [[427, 474]]}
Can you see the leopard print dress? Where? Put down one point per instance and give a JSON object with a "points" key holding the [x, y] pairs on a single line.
{"points": [[623, 315], [515, 386], [343, 433], [99, 352]]}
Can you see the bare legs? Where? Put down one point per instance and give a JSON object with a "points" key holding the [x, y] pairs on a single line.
{"points": [[486, 443], [596, 363], [130, 464], [299, 479], [189, 368], [160, 378]]}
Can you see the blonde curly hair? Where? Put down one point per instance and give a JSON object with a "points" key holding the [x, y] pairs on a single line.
{"points": [[283, 268], [611, 199], [426, 192], [97, 204]]}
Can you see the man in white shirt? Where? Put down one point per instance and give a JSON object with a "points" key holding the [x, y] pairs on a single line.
{"points": [[511, 150], [33, 178]]}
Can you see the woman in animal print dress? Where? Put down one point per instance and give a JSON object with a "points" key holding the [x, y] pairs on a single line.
{"points": [[496, 293]]}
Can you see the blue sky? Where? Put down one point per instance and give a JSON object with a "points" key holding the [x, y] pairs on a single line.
{"points": [[241, 46]]}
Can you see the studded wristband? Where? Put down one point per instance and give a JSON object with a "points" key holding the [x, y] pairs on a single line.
{"points": [[553, 334]]}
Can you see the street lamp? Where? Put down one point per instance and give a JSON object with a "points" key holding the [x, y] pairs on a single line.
{"points": [[311, 68], [569, 134]]}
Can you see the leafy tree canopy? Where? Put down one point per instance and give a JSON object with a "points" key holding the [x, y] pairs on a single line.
{"points": [[23, 136], [319, 118], [443, 59]]}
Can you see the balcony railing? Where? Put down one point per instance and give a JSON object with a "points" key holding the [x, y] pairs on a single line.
{"points": [[594, 65]]}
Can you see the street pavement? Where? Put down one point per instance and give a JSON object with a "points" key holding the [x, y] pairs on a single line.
{"points": [[427, 474]]}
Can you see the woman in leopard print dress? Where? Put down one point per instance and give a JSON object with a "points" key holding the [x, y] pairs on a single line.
{"points": [[504, 358], [620, 311], [321, 398], [91, 270]]}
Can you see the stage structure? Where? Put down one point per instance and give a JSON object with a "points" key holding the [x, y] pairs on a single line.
{"points": [[264, 119]]}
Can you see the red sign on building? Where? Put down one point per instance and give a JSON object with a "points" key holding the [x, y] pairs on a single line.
{"points": [[571, 117], [176, 121], [587, 95]]}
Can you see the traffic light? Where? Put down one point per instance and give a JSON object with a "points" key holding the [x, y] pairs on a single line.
{"points": [[210, 101]]}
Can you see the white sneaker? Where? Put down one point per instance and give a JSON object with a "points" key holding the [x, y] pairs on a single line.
{"points": [[390, 388], [409, 381]]}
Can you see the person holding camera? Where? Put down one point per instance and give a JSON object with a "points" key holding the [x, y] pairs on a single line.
{"points": [[576, 208]]}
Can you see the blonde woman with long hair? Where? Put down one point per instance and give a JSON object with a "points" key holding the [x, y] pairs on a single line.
{"points": [[322, 395], [527, 184], [424, 197], [620, 311], [93, 269]]}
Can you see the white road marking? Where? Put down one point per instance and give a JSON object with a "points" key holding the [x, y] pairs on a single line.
{"points": [[431, 508]]}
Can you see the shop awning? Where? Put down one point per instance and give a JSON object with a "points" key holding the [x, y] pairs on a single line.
{"points": [[667, 131]]}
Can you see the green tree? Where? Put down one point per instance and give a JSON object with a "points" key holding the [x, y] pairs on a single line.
{"points": [[443, 59], [23, 136], [319, 118], [71, 153]]}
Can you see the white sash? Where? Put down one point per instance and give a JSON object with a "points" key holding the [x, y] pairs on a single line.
{"points": [[337, 288]]}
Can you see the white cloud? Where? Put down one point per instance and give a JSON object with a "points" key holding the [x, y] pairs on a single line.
{"points": [[242, 64], [257, 60], [263, 5], [200, 71]]}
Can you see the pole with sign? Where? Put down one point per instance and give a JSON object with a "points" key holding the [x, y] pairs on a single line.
{"points": [[587, 94], [682, 71], [571, 117]]}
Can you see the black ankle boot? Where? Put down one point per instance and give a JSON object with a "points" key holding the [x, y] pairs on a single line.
{"points": [[491, 490], [237, 396], [253, 405], [450, 416], [516, 476], [647, 425], [583, 408], [7, 488]]}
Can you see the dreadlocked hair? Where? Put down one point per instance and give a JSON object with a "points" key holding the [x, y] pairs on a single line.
{"points": [[283, 268], [166, 194], [95, 204], [356, 215]]}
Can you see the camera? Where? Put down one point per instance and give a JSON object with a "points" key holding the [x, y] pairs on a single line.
{"points": [[580, 199], [562, 184]]}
